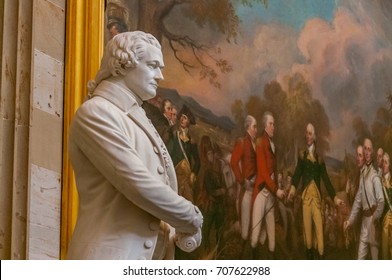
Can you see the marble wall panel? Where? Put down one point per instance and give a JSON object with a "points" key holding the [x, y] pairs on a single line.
{"points": [[44, 205], [48, 84], [43, 243], [46, 136], [60, 3], [44, 213], [46, 129], [49, 28]]}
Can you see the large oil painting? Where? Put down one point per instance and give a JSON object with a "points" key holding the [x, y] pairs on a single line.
{"points": [[324, 62]]}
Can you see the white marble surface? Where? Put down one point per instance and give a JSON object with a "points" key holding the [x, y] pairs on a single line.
{"points": [[43, 243], [59, 3], [44, 213], [46, 138], [46, 129], [49, 28], [48, 78]]}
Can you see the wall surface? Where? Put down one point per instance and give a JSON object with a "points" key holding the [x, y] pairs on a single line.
{"points": [[46, 120], [31, 127]]}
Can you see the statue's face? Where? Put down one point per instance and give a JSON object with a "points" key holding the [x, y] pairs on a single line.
{"points": [[144, 78]]}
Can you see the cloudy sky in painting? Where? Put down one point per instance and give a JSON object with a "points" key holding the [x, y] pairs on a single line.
{"points": [[343, 48]]}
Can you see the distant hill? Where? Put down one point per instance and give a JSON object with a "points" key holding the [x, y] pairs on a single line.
{"points": [[334, 163], [199, 111]]}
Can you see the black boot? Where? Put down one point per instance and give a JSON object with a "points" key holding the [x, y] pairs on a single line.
{"points": [[270, 255], [246, 250], [309, 254], [320, 257], [315, 254], [255, 253]]}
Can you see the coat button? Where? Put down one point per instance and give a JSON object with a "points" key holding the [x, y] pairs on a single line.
{"points": [[148, 244], [156, 150], [154, 226], [160, 170]]}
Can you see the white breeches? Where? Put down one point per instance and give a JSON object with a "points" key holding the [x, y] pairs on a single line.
{"points": [[246, 205], [263, 210]]}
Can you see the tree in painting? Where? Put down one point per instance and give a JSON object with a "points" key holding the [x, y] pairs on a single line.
{"points": [[219, 15], [325, 61]]}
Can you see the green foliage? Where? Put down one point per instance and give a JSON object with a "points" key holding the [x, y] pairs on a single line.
{"points": [[361, 131], [389, 99], [380, 132], [238, 112]]}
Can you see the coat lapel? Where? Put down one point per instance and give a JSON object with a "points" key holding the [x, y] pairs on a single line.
{"points": [[127, 103], [269, 144]]}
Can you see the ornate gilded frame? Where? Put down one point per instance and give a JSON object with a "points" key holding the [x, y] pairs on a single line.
{"points": [[84, 48]]}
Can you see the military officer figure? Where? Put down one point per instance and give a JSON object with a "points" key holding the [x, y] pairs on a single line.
{"points": [[370, 200], [243, 164], [184, 153], [311, 169], [386, 234]]}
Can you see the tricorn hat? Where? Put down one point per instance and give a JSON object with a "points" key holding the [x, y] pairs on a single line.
{"points": [[187, 112], [116, 15]]}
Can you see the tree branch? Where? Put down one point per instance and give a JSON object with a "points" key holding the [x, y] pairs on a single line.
{"points": [[198, 50]]}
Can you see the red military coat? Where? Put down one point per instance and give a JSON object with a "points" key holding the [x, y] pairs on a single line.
{"points": [[266, 166], [243, 159]]}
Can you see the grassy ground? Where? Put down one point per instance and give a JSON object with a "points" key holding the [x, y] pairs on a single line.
{"points": [[233, 247]]}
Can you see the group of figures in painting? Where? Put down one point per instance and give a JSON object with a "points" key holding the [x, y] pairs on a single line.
{"points": [[142, 180], [244, 194]]}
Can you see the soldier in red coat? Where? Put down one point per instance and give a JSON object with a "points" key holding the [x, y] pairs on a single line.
{"points": [[266, 187], [243, 163]]}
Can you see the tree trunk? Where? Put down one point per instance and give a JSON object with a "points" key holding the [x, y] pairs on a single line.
{"points": [[151, 14]]}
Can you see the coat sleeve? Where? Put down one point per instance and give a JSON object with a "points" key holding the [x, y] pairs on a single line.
{"points": [[379, 196], [99, 134], [326, 180], [357, 206], [235, 161], [195, 158], [298, 172]]}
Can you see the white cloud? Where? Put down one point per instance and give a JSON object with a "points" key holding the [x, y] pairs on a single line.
{"points": [[256, 61], [348, 63]]}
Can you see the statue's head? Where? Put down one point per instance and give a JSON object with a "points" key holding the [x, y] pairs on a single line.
{"points": [[135, 59]]}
